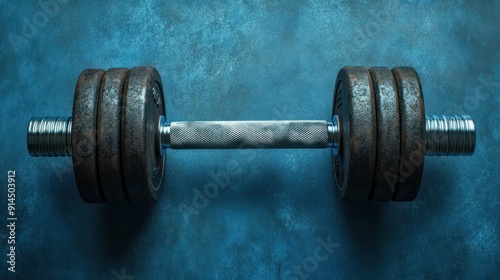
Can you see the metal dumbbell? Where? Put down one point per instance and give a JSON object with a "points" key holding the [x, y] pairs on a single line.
{"points": [[378, 134]]}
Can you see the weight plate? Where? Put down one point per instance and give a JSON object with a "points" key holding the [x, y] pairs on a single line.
{"points": [[142, 162], [109, 155], [412, 121], [388, 138], [83, 136], [354, 103]]}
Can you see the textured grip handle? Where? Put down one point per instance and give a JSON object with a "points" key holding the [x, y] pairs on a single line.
{"points": [[249, 134]]}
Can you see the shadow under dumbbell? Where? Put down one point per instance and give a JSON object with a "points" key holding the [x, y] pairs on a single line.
{"points": [[112, 226], [437, 184], [363, 233], [369, 228], [122, 224]]}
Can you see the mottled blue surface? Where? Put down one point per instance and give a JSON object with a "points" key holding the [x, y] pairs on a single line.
{"points": [[240, 61]]}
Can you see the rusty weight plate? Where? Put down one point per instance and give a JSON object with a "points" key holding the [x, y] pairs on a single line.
{"points": [[412, 121], [83, 137], [388, 138], [142, 162], [354, 103], [109, 154]]}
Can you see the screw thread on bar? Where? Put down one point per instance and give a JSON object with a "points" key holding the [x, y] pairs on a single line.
{"points": [[450, 135], [49, 137]]}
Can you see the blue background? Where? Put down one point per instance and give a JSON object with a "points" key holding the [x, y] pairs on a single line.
{"points": [[252, 60]]}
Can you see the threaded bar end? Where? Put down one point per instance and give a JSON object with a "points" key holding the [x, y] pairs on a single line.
{"points": [[49, 137], [450, 135]]}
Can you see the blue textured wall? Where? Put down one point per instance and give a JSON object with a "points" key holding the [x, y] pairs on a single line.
{"points": [[252, 60]]}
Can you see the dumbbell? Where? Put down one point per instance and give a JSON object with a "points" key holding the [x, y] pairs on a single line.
{"points": [[378, 135]]}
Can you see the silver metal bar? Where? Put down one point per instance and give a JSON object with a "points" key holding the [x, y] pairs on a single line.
{"points": [[445, 135], [450, 135], [248, 134], [49, 137]]}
